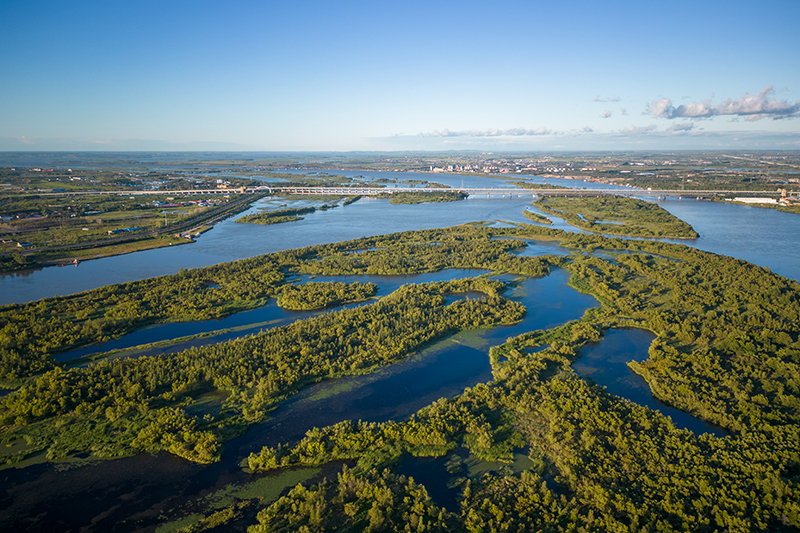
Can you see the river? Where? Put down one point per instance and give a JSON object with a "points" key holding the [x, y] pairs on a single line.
{"points": [[765, 237]]}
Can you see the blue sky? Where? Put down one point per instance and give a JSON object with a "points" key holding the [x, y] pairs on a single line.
{"points": [[308, 75]]}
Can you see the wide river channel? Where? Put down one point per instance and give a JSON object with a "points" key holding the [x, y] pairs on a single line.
{"points": [[765, 237], [143, 492]]}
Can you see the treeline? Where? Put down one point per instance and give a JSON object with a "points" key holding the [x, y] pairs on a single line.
{"points": [[425, 183], [532, 185], [616, 215], [433, 250], [727, 348], [434, 431], [31, 333]]}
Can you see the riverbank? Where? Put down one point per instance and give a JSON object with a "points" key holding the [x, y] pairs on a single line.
{"points": [[97, 244]]}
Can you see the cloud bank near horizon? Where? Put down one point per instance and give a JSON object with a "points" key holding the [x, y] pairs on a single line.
{"points": [[490, 132], [752, 107]]}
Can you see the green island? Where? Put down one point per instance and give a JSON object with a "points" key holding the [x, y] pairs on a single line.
{"points": [[532, 185], [727, 350], [617, 215], [423, 197], [426, 183], [536, 217], [276, 217], [280, 216]]}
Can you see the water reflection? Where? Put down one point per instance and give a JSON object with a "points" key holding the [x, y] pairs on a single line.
{"points": [[606, 363]]}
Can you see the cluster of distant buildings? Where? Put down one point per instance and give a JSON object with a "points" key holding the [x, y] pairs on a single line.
{"points": [[494, 169]]}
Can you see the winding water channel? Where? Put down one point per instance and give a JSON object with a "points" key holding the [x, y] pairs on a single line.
{"points": [[140, 492], [606, 363], [132, 493]]}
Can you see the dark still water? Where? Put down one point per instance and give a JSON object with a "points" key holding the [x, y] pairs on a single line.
{"points": [[606, 363], [141, 492]]}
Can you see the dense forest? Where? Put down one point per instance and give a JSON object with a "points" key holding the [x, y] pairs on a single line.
{"points": [[727, 350]]}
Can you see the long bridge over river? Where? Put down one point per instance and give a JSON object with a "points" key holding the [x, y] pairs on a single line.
{"points": [[489, 192], [506, 192]]}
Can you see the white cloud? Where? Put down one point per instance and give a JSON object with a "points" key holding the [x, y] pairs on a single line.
{"points": [[680, 128], [753, 107], [660, 108], [623, 111], [637, 130], [643, 138], [513, 132], [606, 114], [606, 99]]}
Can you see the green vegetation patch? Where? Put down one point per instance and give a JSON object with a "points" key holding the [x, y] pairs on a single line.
{"points": [[140, 404], [532, 185], [377, 501], [316, 295], [617, 215], [726, 350], [424, 197], [536, 217], [276, 217]]}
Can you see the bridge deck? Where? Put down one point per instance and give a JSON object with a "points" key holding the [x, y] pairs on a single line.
{"points": [[515, 191], [472, 191]]}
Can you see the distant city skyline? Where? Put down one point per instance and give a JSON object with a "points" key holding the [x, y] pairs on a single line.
{"points": [[361, 76]]}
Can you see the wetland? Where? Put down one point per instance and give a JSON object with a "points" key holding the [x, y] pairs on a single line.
{"points": [[523, 374]]}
